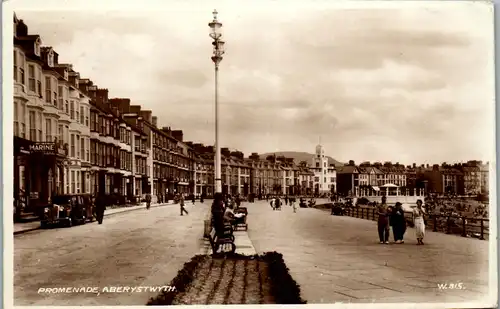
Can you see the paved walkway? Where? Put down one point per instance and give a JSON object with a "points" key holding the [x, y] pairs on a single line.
{"points": [[339, 259], [31, 226], [141, 248]]}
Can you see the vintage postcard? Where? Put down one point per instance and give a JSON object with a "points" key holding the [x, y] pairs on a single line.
{"points": [[336, 153]]}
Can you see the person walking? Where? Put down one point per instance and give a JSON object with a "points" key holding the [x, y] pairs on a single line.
{"points": [[100, 205], [148, 201], [418, 219], [398, 223], [294, 205], [202, 197], [286, 199], [181, 203], [193, 199], [383, 222]]}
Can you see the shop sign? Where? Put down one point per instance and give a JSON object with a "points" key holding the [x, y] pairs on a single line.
{"points": [[49, 148]]}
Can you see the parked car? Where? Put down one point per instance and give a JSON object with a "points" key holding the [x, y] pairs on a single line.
{"points": [[68, 210]]}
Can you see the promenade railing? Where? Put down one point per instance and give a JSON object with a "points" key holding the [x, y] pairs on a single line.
{"points": [[449, 224]]}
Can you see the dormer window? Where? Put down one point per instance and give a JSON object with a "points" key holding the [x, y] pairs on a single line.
{"points": [[77, 82], [37, 47], [65, 75], [50, 59]]}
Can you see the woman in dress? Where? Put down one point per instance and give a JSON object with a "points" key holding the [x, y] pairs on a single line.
{"points": [[418, 218]]}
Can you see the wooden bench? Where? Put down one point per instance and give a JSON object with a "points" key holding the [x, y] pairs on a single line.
{"points": [[225, 244]]}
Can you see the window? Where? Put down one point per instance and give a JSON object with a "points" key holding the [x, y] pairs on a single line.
{"points": [[15, 65], [92, 121], [332, 179], [60, 133], [40, 121], [48, 130], [31, 78], [82, 147], [39, 83], [77, 113], [73, 184], [48, 90], [37, 48], [316, 179], [78, 181], [66, 134], [77, 146], [82, 115], [50, 60], [66, 107], [60, 97], [72, 145], [16, 119], [22, 79], [86, 117], [72, 109], [324, 179], [87, 152]]}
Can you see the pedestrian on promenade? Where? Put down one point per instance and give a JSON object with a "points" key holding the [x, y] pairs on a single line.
{"points": [[418, 219], [218, 213], [383, 222], [273, 201], [148, 201], [398, 222], [202, 197], [181, 203], [286, 199], [294, 205], [100, 207], [194, 199]]}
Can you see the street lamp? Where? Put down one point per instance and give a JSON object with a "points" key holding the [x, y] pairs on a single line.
{"points": [[218, 44]]}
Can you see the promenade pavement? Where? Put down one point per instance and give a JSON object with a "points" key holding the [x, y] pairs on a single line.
{"points": [[135, 248], [339, 259], [35, 225]]}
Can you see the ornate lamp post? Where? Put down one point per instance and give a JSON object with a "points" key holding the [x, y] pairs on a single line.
{"points": [[218, 44]]}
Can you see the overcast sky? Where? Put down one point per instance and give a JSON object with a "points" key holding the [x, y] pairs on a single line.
{"points": [[405, 83]]}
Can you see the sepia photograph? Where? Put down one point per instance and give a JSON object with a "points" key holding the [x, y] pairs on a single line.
{"points": [[249, 153]]}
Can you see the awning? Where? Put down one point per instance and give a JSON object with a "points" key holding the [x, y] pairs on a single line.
{"points": [[375, 188], [389, 185]]}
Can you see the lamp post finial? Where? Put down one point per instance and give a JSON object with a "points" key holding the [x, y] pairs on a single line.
{"points": [[215, 14]]}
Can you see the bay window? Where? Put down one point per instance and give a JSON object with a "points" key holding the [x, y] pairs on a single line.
{"points": [[32, 122], [60, 133], [72, 146], [15, 65]]}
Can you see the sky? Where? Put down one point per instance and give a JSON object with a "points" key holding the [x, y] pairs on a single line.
{"points": [[399, 82]]}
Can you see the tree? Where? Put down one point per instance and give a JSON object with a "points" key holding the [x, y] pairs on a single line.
{"points": [[352, 163]]}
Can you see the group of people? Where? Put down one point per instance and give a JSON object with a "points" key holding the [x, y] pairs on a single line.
{"points": [[395, 216], [276, 202], [223, 212]]}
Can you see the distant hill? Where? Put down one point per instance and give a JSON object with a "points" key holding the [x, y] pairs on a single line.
{"points": [[299, 156]]}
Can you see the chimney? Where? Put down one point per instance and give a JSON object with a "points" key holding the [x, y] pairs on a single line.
{"points": [[146, 115], [154, 121], [178, 135], [102, 95], [427, 165], [135, 109], [123, 104], [414, 165], [22, 29]]}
